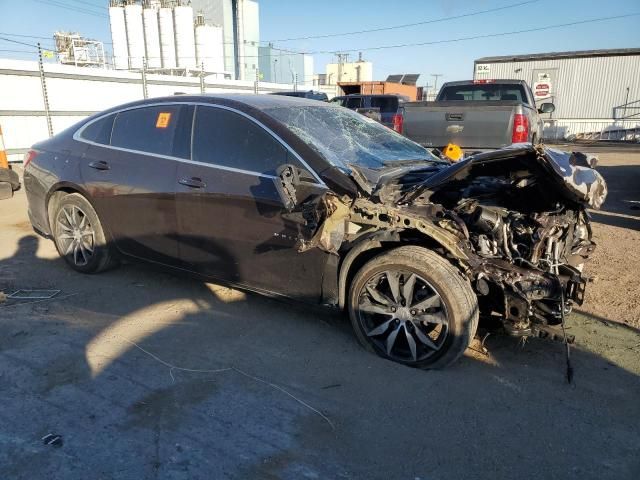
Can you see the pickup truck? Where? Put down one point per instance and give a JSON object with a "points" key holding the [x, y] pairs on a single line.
{"points": [[476, 115]]}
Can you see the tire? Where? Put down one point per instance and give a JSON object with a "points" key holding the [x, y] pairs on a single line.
{"points": [[444, 318], [79, 236]]}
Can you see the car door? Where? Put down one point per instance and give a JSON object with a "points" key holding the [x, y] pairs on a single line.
{"points": [[129, 171], [232, 221]]}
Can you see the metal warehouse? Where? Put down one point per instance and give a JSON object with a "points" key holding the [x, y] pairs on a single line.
{"points": [[596, 92]]}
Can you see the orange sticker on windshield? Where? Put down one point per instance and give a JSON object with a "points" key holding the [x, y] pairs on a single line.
{"points": [[163, 120]]}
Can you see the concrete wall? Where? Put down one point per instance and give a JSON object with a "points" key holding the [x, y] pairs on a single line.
{"points": [[75, 92]]}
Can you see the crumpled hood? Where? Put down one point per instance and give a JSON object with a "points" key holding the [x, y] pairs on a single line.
{"points": [[571, 171]]}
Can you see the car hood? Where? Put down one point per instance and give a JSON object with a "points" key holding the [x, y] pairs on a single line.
{"points": [[571, 172]]}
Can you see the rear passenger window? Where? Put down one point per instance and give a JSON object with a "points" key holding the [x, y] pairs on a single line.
{"points": [[99, 131], [353, 103], [147, 129], [225, 138]]}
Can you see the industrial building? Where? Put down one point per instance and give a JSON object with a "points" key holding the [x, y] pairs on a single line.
{"points": [[596, 92], [284, 66], [240, 24], [182, 36], [344, 71]]}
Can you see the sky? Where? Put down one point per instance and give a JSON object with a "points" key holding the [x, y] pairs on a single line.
{"points": [[281, 20]]}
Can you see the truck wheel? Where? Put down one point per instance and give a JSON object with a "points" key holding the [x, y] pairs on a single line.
{"points": [[411, 306], [78, 235]]}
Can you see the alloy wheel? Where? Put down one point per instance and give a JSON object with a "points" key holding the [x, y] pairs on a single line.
{"points": [[76, 236], [403, 315]]}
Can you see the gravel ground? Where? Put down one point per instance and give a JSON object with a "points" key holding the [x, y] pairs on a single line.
{"points": [[149, 375]]}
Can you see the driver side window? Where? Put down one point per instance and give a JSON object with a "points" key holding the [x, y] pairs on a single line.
{"points": [[228, 139]]}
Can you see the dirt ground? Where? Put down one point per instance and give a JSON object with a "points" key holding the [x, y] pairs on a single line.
{"points": [[149, 375]]}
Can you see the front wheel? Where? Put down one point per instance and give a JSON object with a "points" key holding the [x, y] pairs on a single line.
{"points": [[411, 306], [78, 235]]}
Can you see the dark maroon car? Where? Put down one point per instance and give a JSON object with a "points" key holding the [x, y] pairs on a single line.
{"points": [[307, 200]]}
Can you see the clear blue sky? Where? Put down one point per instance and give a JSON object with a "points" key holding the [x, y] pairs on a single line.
{"points": [[281, 19]]}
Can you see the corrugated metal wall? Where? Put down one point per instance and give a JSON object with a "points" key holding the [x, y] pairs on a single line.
{"points": [[583, 88]]}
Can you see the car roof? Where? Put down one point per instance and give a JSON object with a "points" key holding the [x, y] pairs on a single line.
{"points": [[243, 101]]}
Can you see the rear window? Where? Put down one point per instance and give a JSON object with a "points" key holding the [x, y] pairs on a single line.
{"points": [[147, 129], [99, 131], [385, 104], [483, 92]]}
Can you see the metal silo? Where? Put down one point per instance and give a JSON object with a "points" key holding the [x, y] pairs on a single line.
{"points": [[118, 37], [209, 47], [135, 34], [167, 38], [152, 37], [185, 41]]}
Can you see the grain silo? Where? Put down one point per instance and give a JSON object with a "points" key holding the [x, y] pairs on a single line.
{"points": [[167, 38], [118, 36], [185, 40], [135, 34], [209, 46], [151, 35]]}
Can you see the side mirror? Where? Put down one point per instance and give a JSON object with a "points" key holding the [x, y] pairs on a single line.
{"points": [[286, 184], [547, 108]]}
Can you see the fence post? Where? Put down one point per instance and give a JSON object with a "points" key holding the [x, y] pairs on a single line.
{"points": [[255, 85], [202, 78], [295, 83], [145, 92], [45, 96]]}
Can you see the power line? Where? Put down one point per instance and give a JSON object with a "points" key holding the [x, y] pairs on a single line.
{"points": [[72, 8], [476, 37], [24, 36], [406, 25]]}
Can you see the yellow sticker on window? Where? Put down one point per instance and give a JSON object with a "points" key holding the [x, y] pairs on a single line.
{"points": [[163, 120]]}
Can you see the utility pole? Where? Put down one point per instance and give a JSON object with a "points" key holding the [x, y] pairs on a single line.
{"points": [[435, 81], [45, 95], [255, 86], [295, 83]]}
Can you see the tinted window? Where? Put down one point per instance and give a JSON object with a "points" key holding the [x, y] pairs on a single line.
{"points": [[483, 91], [353, 103], [225, 138], [148, 129], [99, 131], [385, 104]]}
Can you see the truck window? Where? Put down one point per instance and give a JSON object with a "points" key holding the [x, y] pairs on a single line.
{"points": [[385, 104], [483, 92]]}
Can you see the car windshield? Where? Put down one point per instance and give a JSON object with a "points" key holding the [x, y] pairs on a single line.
{"points": [[345, 138]]}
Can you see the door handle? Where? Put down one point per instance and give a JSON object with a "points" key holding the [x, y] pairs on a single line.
{"points": [[99, 165], [193, 182]]}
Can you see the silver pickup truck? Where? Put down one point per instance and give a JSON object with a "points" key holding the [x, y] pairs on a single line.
{"points": [[476, 115]]}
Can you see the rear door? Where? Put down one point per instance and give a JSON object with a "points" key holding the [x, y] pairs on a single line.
{"points": [[232, 222], [130, 172]]}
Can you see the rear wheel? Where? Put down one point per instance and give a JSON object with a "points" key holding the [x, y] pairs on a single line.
{"points": [[411, 306], [79, 236]]}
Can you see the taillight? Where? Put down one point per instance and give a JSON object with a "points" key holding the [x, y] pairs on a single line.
{"points": [[520, 128], [398, 121], [30, 155]]}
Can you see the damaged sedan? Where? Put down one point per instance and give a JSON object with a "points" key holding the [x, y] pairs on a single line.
{"points": [[301, 199]]}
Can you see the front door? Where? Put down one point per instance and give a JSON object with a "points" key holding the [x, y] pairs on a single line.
{"points": [[232, 222]]}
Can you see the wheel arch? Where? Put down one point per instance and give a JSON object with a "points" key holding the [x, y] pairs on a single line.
{"points": [[371, 246], [56, 192]]}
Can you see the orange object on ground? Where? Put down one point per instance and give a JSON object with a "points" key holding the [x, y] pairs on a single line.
{"points": [[4, 162]]}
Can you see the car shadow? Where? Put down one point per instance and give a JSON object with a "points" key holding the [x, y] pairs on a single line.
{"points": [[149, 374], [622, 207]]}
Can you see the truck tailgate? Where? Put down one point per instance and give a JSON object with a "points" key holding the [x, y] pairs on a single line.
{"points": [[469, 124]]}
